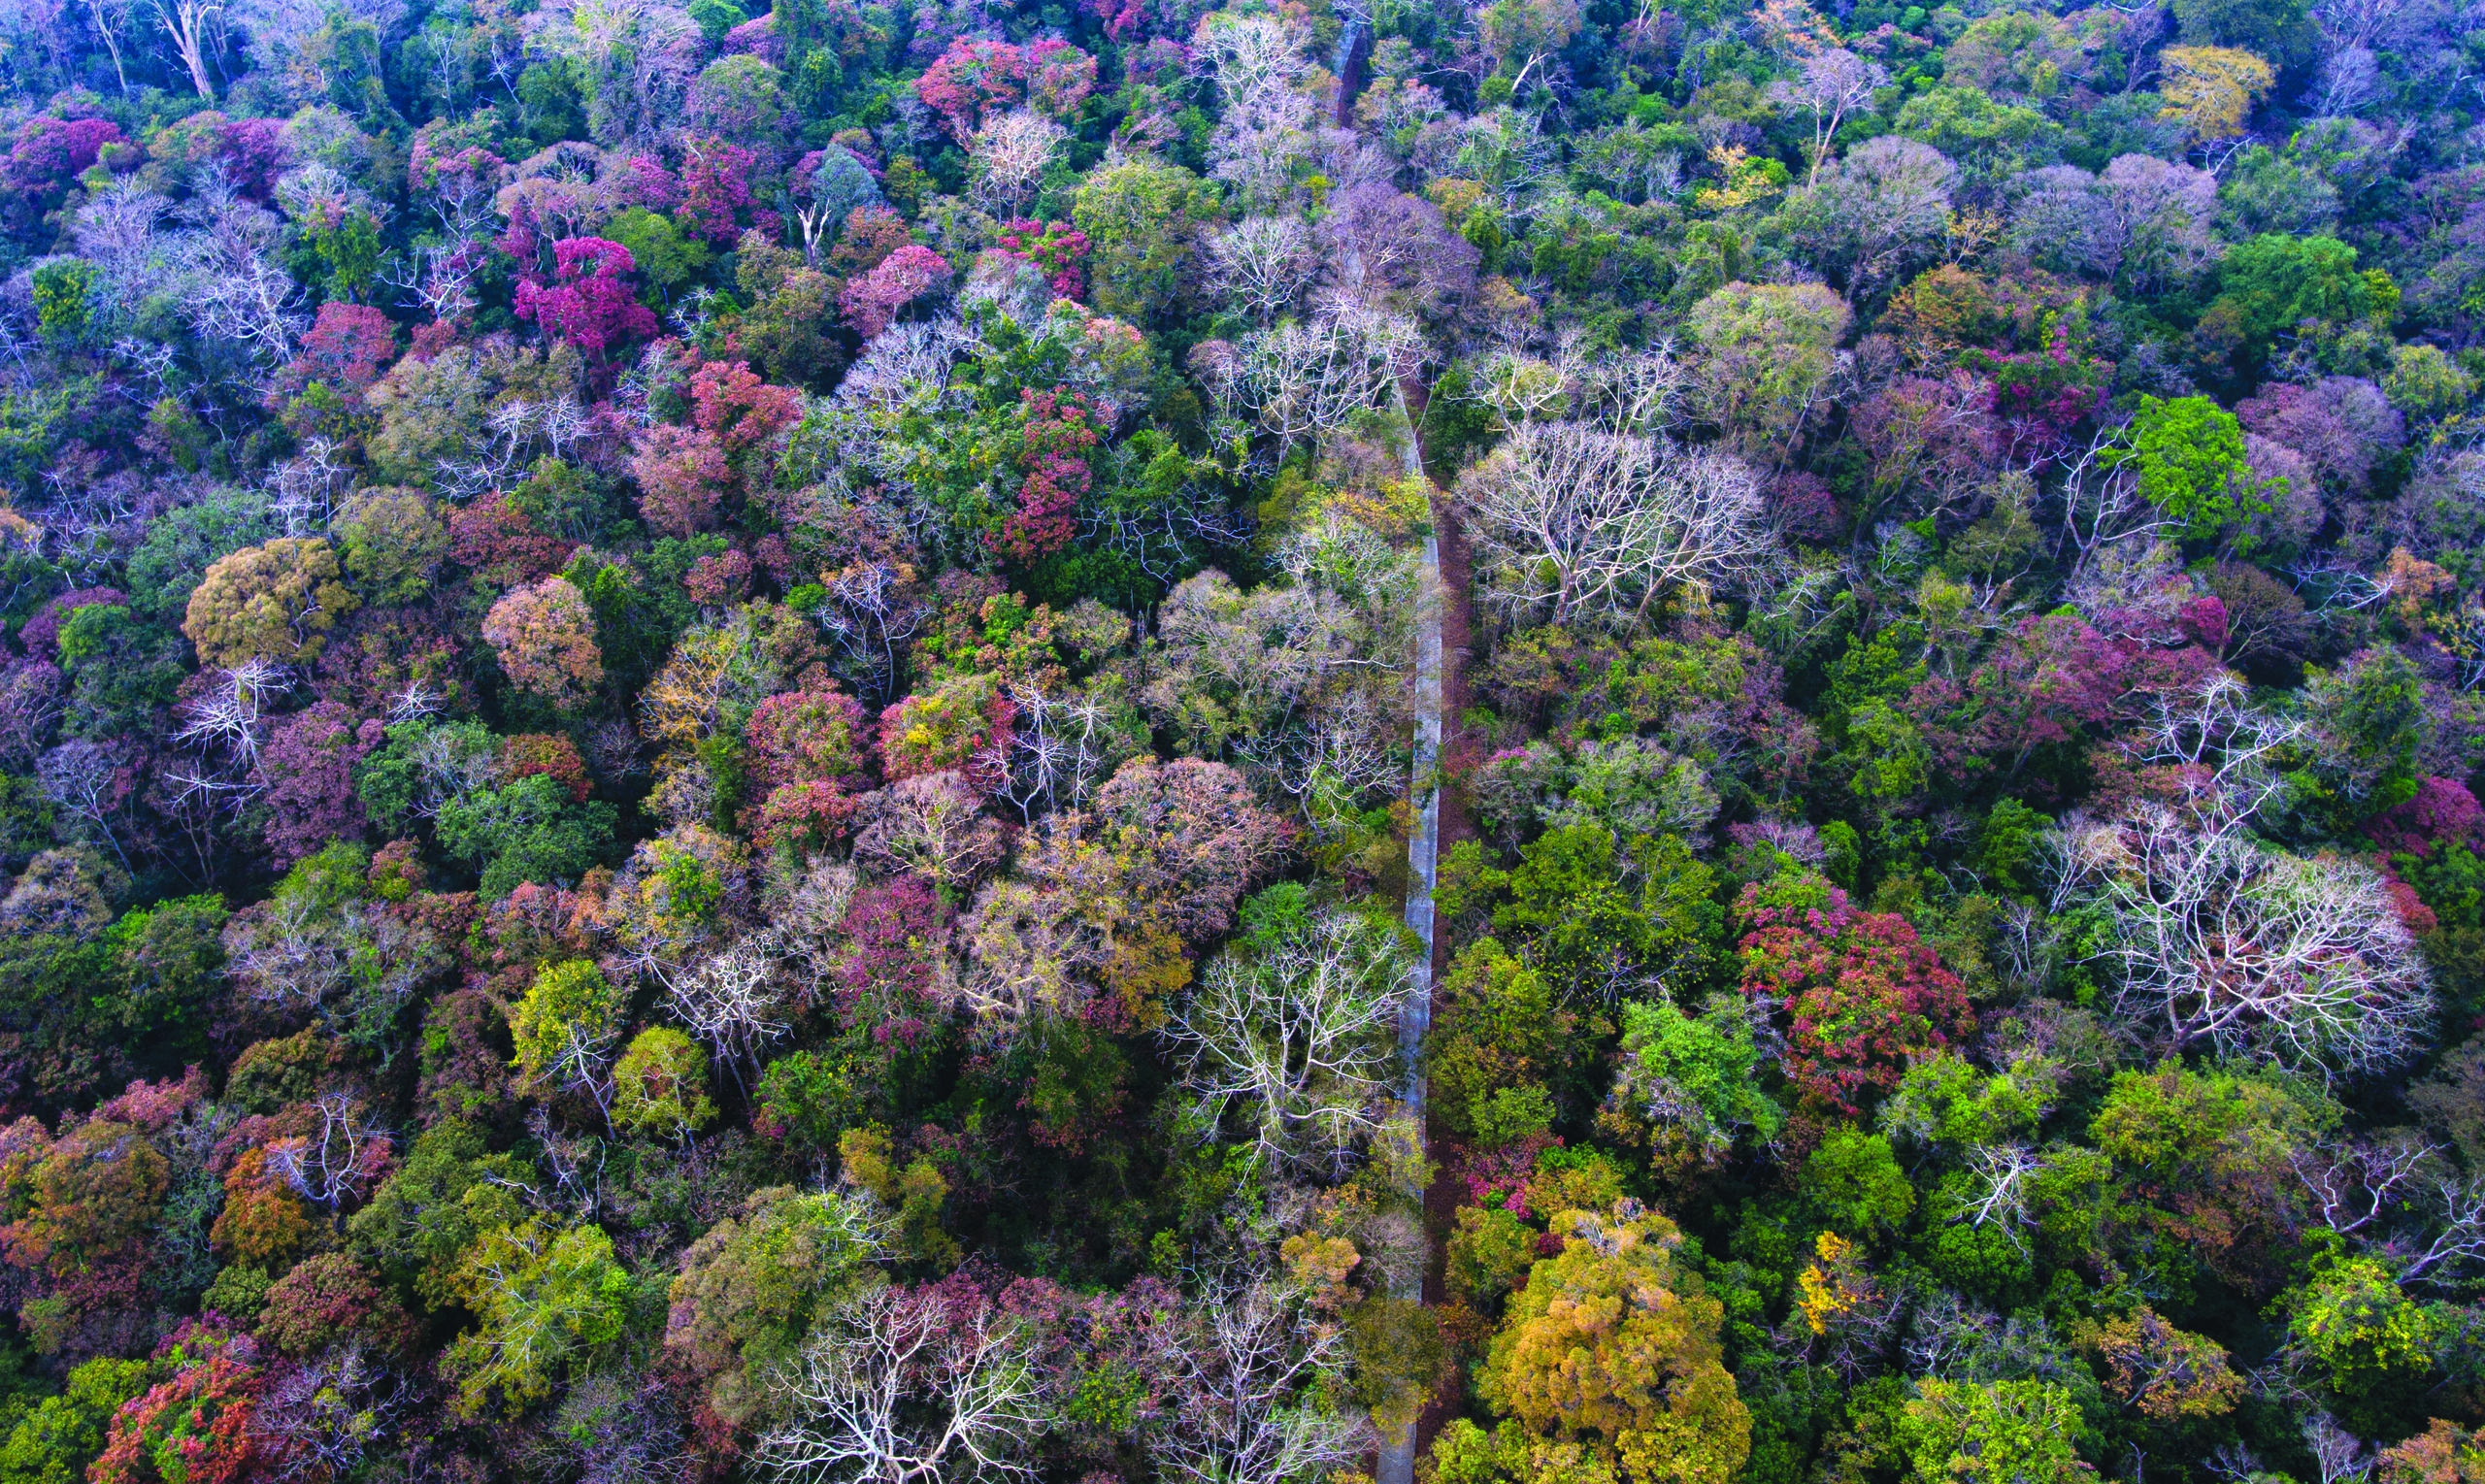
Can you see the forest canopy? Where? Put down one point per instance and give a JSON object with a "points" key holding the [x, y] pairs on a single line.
{"points": [[1243, 742]]}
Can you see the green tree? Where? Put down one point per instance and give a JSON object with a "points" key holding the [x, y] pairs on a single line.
{"points": [[182, 544], [666, 258], [1854, 1183], [2187, 454], [2279, 29], [435, 1206], [1688, 1085], [529, 831], [272, 602], [1488, 1254], [568, 1023], [548, 1304], [394, 541], [661, 1085], [1985, 134], [1501, 1026], [2352, 1320], [758, 1281], [2275, 282], [64, 294], [1142, 222], [1992, 1433], [1767, 352], [53, 1442]]}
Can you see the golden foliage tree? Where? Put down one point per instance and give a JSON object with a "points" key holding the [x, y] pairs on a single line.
{"points": [[1613, 1344], [272, 602], [2212, 89]]}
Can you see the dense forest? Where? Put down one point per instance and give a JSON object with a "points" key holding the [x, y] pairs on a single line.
{"points": [[1329, 741]]}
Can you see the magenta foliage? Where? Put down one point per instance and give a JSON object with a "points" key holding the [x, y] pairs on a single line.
{"points": [[429, 168], [873, 300], [1055, 246], [893, 936], [1053, 475], [254, 151], [1804, 506], [1059, 78], [2203, 623], [759, 39], [715, 184], [2443, 812], [156, 1106], [348, 349], [49, 153], [521, 240], [658, 189], [2045, 682], [716, 581], [586, 303], [2042, 395], [309, 767], [971, 79]]}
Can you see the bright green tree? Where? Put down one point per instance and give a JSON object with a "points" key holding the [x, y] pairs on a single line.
{"points": [[1996, 1433], [2187, 454]]}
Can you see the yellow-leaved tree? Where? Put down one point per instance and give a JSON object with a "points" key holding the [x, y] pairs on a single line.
{"points": [[1614, 1347], [2212, 89], [276, 601]]}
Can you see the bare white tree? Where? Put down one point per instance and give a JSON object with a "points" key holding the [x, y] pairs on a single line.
{"points": [[318, 1420], [353, 966], [1006, 159], [930, 825], [1068, 740], [1520, 387], [228, 718], [908, 1386], [2357, 1185], [1300, 1040], [439, 278], [329, 1167], [112, 18], [2222, 941], [1831, 85], [251, 301], [81, 780], [1311, 378], [1634, 391], [1252, 1368], [1998, 1189], [1263, 265], [2455, 1210], [732, 1002], [1573, 520], [1266, 122], [2339, 1455], [196, 27]]}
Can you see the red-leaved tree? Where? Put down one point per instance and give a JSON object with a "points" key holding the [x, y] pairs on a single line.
{"points": [[1861, 995], [971, 79], [873, 300], [1053, 475], [1055, 246]]}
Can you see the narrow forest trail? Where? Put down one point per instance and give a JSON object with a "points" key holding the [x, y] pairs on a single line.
{"points": [[1441, 651], [1441, 692]]}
